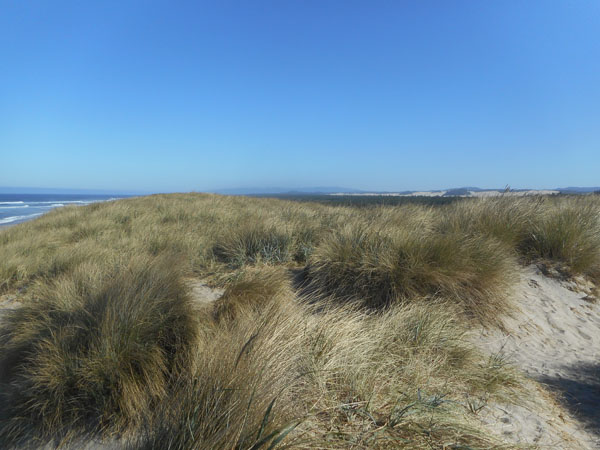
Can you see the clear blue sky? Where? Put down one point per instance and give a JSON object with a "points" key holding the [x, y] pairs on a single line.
{"points": [[395, 95]]}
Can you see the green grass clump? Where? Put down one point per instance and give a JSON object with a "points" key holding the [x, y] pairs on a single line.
{"points": [[379, 268], [506, 219], [563, 230], [253, 243], [93, 351], [569, 234]]}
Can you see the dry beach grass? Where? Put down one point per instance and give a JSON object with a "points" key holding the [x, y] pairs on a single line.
{"points": [[339, 327]]}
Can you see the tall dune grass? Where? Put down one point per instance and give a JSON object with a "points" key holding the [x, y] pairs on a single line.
{"points": [[251, 243], [92, 351], [253, 290], [214, 235], [570, 234], [107, 341], [379, 269], [332, 377]]}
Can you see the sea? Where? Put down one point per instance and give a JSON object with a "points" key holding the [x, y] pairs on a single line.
{"points": [[16, 208]]}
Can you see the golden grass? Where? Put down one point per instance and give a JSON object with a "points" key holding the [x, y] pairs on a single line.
{"points": [[328, 377], [92, 351], [378, 270], [215, 235], [570, 234], [108, 343], [253, 290]]}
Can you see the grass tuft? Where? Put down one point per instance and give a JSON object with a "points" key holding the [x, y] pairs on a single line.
{"points": [[246, 369], [255, 290], [93, 350], [252, 244], [379, 269], [569, 234]]}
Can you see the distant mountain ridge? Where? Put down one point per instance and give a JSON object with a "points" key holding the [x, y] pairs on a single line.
{"points": [[581, 190], [280, 190]]}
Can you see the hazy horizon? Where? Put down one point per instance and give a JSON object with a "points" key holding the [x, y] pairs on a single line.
{"points": [[261, 190]]}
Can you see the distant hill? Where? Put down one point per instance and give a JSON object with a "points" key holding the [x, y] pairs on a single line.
{"points": [[461, 191], [471, 188], [281, 190], [578, 190]]}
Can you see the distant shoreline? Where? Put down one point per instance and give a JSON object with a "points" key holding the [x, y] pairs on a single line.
{"points": [[16, 208]]}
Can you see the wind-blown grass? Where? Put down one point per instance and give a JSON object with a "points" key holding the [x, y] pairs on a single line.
{"points": [[93, 351], [241, 392], [107, 342], [380, 269], [251, 243], [214, 235], [570, 235], [335, 377], [254, 290]]}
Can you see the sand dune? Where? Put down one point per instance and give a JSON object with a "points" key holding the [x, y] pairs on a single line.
{"points": [[553, 337], [555, 340]]}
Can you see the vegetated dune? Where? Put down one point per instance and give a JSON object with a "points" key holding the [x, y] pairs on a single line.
{"points": [[194, 321]]}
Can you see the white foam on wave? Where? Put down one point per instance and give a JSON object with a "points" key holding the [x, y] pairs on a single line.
{"points": [[15, 218], [42, 204], [64, 201]]}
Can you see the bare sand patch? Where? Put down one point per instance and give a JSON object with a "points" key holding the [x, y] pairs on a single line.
{"points": [[554, 339], [8, 302], [201, 292]]}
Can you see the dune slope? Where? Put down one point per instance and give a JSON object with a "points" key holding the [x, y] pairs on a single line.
{"points": [[554, 338]]}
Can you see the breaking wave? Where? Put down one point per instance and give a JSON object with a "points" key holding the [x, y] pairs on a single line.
{"points": [[16, 218]]}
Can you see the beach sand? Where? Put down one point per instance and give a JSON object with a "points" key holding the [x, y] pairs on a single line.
{"points": [[554, 339]]}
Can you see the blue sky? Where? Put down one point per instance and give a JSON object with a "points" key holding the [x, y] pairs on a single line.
{"points": [[395, 95]]}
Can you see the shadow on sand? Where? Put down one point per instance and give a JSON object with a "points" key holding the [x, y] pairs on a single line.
{"points": [[579, 391]]}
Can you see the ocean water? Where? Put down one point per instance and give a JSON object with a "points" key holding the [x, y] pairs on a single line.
{"points": [[16, 208]]}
